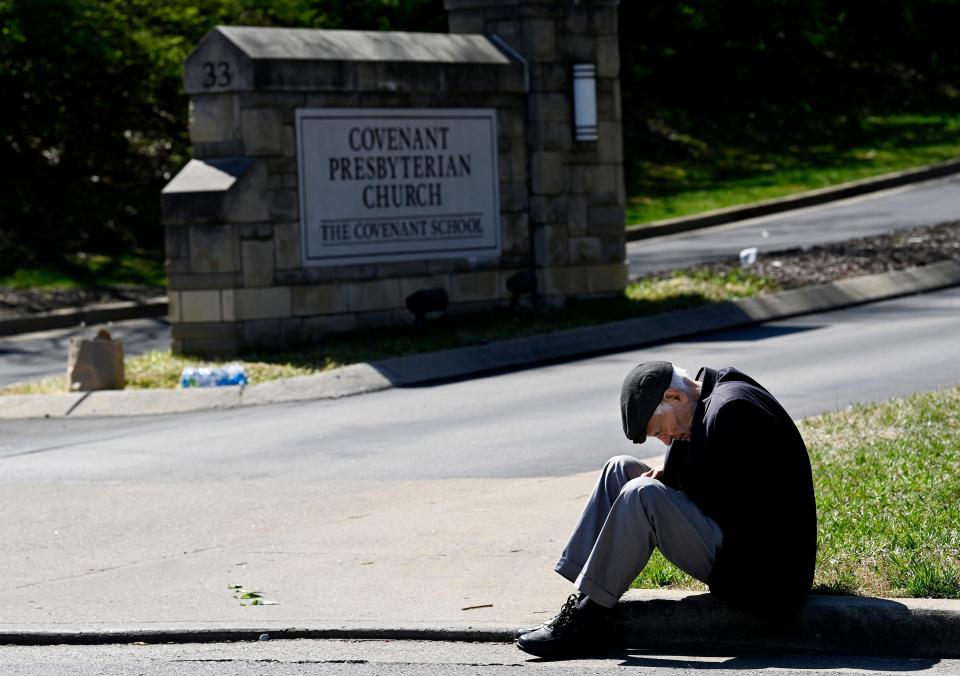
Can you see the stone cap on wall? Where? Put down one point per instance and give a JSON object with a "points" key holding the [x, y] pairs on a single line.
{"points": [[208, 175], [346, 45], [550, 5], [211, 191], [245, 58]]}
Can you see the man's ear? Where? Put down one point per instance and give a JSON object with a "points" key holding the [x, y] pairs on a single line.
{"points": [[673, 394]]}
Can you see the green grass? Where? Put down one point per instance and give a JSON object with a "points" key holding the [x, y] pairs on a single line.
{"points": [[723, 176], [888, 492], [81, 270], [661, 574], [649, 296], [888, 500]]}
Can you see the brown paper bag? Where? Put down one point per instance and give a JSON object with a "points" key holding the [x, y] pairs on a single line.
{"points": [[95, 364]]}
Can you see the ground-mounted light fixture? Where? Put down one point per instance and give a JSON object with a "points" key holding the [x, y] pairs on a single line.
{"points": [[520, 283], [585, 102], [427, 300]]}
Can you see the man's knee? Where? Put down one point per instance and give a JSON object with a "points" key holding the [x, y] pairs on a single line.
{"points": [[618, 470], [623, 465], [618, 462], [646, 492]]}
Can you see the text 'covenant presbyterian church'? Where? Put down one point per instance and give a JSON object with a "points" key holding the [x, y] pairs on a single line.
{"points": [[390, 188], [381, 167]]}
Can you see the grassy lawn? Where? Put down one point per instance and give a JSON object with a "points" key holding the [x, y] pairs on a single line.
{"points": [[682, 290], [81, 270], [888, 500], [717, 177]]}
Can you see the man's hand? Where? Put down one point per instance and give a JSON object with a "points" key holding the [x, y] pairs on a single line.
{"points": [[654, 473]]}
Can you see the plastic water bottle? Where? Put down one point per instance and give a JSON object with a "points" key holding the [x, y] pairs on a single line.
{"points": [[204, 376], [234, 374]]}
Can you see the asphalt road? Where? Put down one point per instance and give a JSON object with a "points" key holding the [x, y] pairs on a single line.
{"points": [[914, 205], [554, 421], [363, 658]]}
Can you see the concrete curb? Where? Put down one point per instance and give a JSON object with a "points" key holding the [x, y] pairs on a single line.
{"points": [[448, 365], [673, 226], [229, 634], [633, 333], [89, 314], [664, 621]]}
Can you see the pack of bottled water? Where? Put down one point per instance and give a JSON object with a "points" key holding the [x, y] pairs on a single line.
{"points": [[203, 376]]}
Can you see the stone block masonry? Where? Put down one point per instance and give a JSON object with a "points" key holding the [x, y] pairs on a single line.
{"points": [[576, 193], [241, 229]]}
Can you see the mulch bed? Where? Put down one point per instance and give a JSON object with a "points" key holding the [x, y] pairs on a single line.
{"points": [[790, 268]]}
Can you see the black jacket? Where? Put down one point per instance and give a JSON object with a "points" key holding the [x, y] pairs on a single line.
{"points": [[747, 468]]}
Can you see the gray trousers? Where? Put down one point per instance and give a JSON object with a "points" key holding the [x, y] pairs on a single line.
{"points": [[623, 521]]}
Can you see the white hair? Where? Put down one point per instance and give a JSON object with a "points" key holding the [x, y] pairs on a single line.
{"points": [[680, 381]]}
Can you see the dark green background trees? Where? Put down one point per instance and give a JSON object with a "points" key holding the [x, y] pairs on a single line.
{"points": [[93, 121], [780, 71]]}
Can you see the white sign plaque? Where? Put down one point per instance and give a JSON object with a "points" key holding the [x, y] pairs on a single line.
{"points": [[380, 185]]}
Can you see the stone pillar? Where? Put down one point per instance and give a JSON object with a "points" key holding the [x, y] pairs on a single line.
{"points": [[576, 189]]}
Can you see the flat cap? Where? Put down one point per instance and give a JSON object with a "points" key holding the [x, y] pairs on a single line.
{"points": [[640, 395]]}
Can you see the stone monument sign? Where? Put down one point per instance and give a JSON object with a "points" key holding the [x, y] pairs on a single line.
{"points": [[336, 173]]}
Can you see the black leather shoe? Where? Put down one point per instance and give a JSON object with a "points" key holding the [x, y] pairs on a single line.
{"points": [[525, 630], [577, 630]]}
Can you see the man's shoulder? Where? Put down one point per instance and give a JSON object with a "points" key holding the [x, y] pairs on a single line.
{"points": [[737, 395], [733, 385], [731, 377], [730, 404]]}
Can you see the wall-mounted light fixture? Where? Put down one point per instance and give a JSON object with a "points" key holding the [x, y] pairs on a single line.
{"points": [[585, 101]]}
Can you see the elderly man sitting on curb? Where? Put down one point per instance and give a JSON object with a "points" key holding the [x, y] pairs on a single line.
{"points": [[733, 505]]}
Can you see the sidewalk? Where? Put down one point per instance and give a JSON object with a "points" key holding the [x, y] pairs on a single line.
{"points": [[346, 562]]}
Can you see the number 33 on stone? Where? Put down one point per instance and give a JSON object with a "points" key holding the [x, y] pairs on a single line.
{"points": [[216, 74]]}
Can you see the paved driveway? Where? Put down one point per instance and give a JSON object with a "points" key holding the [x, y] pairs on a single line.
{"points": [[919, 204]]}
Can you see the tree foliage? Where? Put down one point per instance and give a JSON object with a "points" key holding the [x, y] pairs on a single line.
{"points": [[94, 118], [765, 71]]}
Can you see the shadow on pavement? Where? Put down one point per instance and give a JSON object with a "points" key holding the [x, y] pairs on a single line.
{"points": [[792, 662], [826, 625], [761, 332]]}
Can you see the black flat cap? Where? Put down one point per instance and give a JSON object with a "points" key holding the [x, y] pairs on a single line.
{"points": [[640, 395]]}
